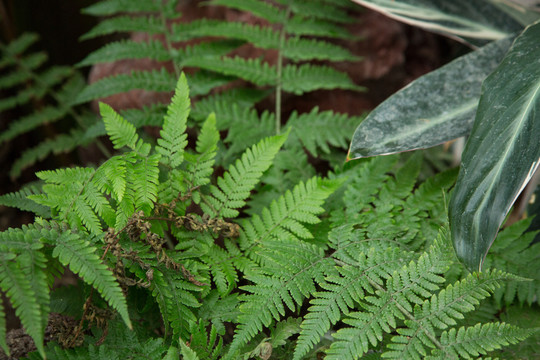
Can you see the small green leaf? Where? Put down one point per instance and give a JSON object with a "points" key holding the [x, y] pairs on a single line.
{"points": [[502, 153]]}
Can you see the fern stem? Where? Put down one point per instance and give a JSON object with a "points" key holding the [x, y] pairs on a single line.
{"points": [[168, 42], [279, 68]]}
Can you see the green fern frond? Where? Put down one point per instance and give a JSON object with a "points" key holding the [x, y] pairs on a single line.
{"points": [[145, 183], [307, 26], [306, 78], [111, 7], [247, 129], [212, 50], [148, 80], [173, 138], [16, 47], [20, 200], [318, 129], [3, 343], [200, 166], [227, 105], [252, 70], [80, 256], [466, 343], [127, 49], [516, 252], [342, 292], [300, 49], [284, 217], [147, 24], [205, 345], [277, 287], [256, 7], [47, 114], [261, 37], [417, 280], [23, 279], [440, 312], [236, 184], [121, 132], [318, 10]]}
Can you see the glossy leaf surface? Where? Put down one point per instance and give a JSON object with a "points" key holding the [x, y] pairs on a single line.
{"points": [[471, 21], [503, 150], [437, 107]]}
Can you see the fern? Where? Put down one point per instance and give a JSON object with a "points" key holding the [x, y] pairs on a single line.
{"points": [[236, 184]]}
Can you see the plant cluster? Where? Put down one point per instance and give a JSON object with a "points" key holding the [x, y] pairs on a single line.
{"points": [[196, 245]]}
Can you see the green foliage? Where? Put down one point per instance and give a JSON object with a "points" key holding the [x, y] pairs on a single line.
{"points": [[189, 245]]}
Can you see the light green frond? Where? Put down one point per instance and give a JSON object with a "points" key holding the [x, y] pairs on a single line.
{"points": [[200, 166], [145, 182], [121, 132], [187, 352], [207, 344], [284, 217], [127, 49], [318, 129], [80, 256], [150, 25], [256, 7], [308, 26], [173, 134], [208, 50], [236, 184], [306, 78], [470, 342]]}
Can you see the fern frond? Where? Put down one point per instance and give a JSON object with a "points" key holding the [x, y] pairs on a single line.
{"points": [[47, 114], [23, 279], [111, 7], [308, 26], [318, 10], [516, 252], [20, 200], [147, 80], [199, 84], [256, 7], [235, 185], [205, 345], [127, 49], [440, 312], [306, 78], [318, 129], [212, 50], [300, 49], [261, 37], [342, 292], [284, 217], [121, 132], [3, 342], [145, 183], [80, 256], [16, 47], [227, 105], [173, 137], [277, 287], [200, 166], [252, 70], [477, 340], [417, 280], [147, 24]]}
